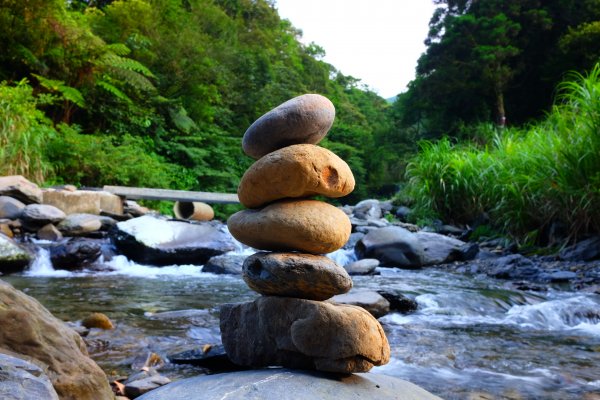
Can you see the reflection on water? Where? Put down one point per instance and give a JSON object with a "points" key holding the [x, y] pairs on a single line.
{"points": [[470, 335]]}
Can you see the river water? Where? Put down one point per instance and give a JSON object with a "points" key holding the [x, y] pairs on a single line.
{"points": [[471, 336]]}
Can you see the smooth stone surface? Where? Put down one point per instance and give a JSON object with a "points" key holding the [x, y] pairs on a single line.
{"points": [[287, 384], [392, 246], [306, 334], [79, 224], [83, 201], [300, 170], [10, 208], [308, 226], [150, 240], [439, 249], [399, 302], [303, 119], [13, 258], [30, 330], [74, 253], [37, 215], [366, 266], [97, 320], [304, 276], [212, 357], [371, 301], [22, 380], [49, 232], [586, 250], [16, 186], [225, 264]]}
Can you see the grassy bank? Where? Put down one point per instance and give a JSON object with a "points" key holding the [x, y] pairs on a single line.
{"points": [[525, 179]]}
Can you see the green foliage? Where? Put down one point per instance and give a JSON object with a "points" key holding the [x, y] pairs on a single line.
{"points": [[24, 132], [524, 179]]}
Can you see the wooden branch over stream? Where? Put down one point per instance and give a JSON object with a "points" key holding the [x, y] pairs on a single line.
{"points": [[135, 193]]}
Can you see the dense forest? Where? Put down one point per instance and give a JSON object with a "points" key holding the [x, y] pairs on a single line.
{"points": [[158, 93]]}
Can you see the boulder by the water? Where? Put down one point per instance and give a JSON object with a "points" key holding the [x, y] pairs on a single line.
{"points": [[392, 246], [74, 253], [35, 216], [300, 170], [306, 334], [308, 226], [83, 201], [19, 188], [440, 249], [143, 382], [586, 250], [366, 266], [13, 257], [368, 209], [304, 276], [399, 302], [371, 301], [30, 330], [10, 208], [150, 240], [49, 232], [212, 357], [79, 224], [287, 384], [225, 264], [22, 380], [303, 119]]}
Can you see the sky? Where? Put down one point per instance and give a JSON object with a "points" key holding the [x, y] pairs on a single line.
{"points": [[377, 41]]}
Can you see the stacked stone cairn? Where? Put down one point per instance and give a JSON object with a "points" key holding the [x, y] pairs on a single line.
{"points": [[291, 324]]}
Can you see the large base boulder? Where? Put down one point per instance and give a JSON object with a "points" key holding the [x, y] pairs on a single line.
{"points": [[285, 384], [305, 334], [30, 330], [155, 241]]}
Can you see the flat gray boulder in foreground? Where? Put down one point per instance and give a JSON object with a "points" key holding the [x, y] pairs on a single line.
{"points": [[287, 384]]}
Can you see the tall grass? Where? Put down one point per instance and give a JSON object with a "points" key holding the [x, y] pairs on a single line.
{"points": [[524, 179]]}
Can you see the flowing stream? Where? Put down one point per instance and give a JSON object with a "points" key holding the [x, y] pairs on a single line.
{"points": [[470, 336]]}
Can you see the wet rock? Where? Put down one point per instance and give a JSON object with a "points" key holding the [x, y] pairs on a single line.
{"points": [[308, 226], [514, 266], [365, 229], [13, 257], [561, 276], [288, 384], [304, 276], [586, 250], [212, 357], [143, 382], [133, 208], [353, 239], [150, 240], [79, 224], [97, 320], [49, 232], [368, 209], [403, 213], [10, 208], [399, 302], [304, 334], [30, 330], [303, 119], [225, 264], [19, 188], [22, 380], [83, 201], [74, 253], [392, 246], [439, 249], [366, 266], [301, 170], [35, 216], [371, 301]]}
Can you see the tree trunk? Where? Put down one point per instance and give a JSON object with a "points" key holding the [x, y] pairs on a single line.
{"points": [[500, 112]]}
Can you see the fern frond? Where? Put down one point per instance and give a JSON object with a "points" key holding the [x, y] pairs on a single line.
{"points": [[112, 89], [115, 61], [68, 92], [119, 49]]}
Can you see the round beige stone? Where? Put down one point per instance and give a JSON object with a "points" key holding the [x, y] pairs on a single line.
{"points": [[308, 226], [299, 170], [303, 119], [304, 276]]}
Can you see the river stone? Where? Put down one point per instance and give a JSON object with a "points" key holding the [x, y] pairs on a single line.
{"points": [[74, 253], [13, 258], [155, 241], [225, 264], [586, 250], [83, 201], [10, 208], [37, 215], [305, 276], [303, 119], [308, 226], [399, 302], [289, 384], [28, 329], [305, 334], [49, 232], [371, 301], [79, 224], [366, 266], [18, 187], [22, 380], [393, 246], [301, 170], [439, 249], [368, 209]]}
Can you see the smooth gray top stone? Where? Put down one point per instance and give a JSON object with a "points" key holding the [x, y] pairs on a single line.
{"points": [[10, 208], [287, 384], [371, 301], [42, 214], [303, 119], [22, 380]]}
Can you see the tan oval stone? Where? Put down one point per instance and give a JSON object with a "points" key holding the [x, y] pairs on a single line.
{"points": [[299, 170], [309, 226], [303, 119], [97, 320], [303, 276]]}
